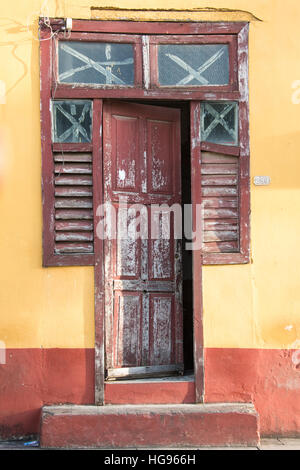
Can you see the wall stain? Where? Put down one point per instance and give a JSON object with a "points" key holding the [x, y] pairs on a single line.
{"points": [[178, 10], [16, 28]]}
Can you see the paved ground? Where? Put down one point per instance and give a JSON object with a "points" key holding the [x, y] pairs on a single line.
{"points": [[266, 444]]}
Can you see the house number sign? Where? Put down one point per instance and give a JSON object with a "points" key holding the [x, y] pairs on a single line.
{"points": [[262, 180]]}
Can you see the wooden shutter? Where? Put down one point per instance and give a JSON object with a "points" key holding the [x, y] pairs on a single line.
{"points": [[220, 197], [68, 231], [68, 174], [73, 203]]}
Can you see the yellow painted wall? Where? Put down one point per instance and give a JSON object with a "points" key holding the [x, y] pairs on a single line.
{"points": [[255, 305]]}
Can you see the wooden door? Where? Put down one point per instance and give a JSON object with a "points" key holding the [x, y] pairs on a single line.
{"points": [[143, 298]]}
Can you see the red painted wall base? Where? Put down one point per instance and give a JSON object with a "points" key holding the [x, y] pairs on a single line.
{"points": [[31, 378], [268, 378]]}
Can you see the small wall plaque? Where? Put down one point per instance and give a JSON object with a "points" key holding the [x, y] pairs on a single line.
{"points": [[262, 180]]}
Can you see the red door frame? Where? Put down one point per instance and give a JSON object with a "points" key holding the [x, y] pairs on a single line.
{"points": [[51, 89]]}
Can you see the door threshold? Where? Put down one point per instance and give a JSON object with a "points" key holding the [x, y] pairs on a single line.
{"points": [[187, 376]]}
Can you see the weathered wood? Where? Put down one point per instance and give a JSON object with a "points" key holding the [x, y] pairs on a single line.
{"points": [[219, 148], [73, 214], [99, 255], [73, 168], [219, 169], [212, 157], [224, 258], [67, 91], [74, 247], [217, 180], [221, 224], [73, 157], [143, 281], [74, 180], [154, 27], [47, 161], [78, 147], [221, 247], [74, 225], [75, 191], [219, 191], [74, 236], [73, 203], [220, 202], [140, 285], [147, 371], [220, 213], [196, 198], [244, 143], [220, 235]]}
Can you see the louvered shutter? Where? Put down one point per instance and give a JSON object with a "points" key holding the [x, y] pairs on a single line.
{"points": [[68, 229], [220, 196], [73, 203], [222, 184]]}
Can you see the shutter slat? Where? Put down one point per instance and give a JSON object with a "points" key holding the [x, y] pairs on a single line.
{"points": [[80, 191], [221, 203], [69, 247], [219, 169], [73, 214], [215, 203], [221, 247], [73, 203], [210, 157], [73, 168], [221, 224], [219, 191], [219, 180], [220, 213], [74, 180], [74, 236], [72, 157], [223, 235], [74, 225]]}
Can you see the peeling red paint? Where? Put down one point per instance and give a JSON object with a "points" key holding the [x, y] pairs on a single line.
{"points": [[32, 378]]}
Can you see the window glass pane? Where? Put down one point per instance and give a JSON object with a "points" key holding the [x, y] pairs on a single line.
{"points": [[193, 64], [95, 62], [219, 122], [71, 121]]}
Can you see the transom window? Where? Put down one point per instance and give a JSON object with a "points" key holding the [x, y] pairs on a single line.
{"points": [[184, 61]]}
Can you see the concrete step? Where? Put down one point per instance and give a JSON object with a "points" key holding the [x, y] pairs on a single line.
{"points": [[142, 426]]}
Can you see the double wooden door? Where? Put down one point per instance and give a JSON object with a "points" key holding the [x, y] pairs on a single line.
{"points": [[143, 288]]}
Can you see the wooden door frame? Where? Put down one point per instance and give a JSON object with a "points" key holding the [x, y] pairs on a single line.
{"points": [[51, 89], [99, 272]]}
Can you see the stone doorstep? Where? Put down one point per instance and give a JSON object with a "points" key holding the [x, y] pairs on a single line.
{"points": [[141, 426]]}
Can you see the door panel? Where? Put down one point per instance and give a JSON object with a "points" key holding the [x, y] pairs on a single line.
{"points": [[161, 310], [127, 328], [126, 157], [160, 157], [143, 307]]}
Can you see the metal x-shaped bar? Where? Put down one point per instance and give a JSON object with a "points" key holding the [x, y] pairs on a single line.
{"points": [[76, 127], [195, 73], [218, 119], [102, 67]]}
